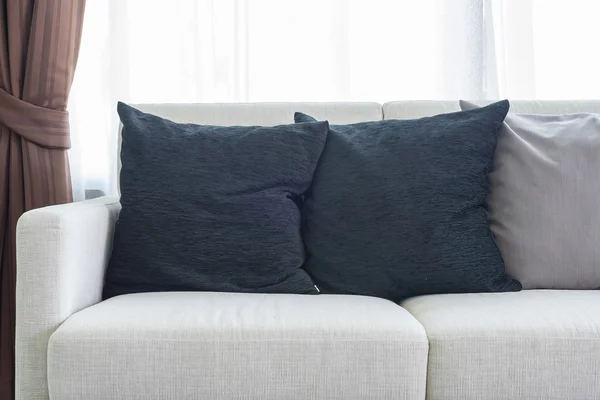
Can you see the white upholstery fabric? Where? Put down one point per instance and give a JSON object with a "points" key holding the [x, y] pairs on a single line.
{"points": [[62, 253], [239, 346], [424, 108], [534, 344], [266, 114]]}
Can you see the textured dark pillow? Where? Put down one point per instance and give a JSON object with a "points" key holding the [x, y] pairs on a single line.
{"points": [[396, 207], [212, 208]]}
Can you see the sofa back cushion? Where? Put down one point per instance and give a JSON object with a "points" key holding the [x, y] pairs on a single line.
{"points": [[543, 202], [259, 114], [396, 207], [411, 109], [211, 208]]}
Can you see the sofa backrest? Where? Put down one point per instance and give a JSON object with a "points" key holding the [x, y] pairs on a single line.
{"points": [[342, 112], [417, 109], [266, 114]]}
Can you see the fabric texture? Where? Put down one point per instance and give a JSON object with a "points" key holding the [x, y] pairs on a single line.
{"points": [[233, 346], [410, 109], [212, 208], [396, 207], [62, 251], [39, 45], [535, 344], [254, 114], [543, 200]]}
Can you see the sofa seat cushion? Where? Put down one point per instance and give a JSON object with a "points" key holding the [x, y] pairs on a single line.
{"points": [[535, 344], [209, 345]]}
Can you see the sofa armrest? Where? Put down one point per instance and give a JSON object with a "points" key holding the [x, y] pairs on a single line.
{"points": [[62, 253]]}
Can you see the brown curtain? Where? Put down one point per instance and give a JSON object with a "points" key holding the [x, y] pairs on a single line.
{"points": [[39, 44]]}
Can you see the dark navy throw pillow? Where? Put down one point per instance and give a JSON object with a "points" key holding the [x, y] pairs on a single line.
{"points": [[212, 208], [396, 207]]}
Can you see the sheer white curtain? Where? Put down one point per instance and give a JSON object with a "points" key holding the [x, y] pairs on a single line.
{"points": [[154, 51]]}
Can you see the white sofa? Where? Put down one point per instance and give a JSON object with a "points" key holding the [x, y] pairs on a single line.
{"points": [[536, 344]]}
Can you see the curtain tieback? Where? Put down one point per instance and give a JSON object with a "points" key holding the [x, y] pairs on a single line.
{"points": [[43, 126]]}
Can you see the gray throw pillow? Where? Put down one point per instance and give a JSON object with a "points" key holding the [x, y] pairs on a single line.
{"points": [[396, 207], [212, 208], [543, 201]]}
